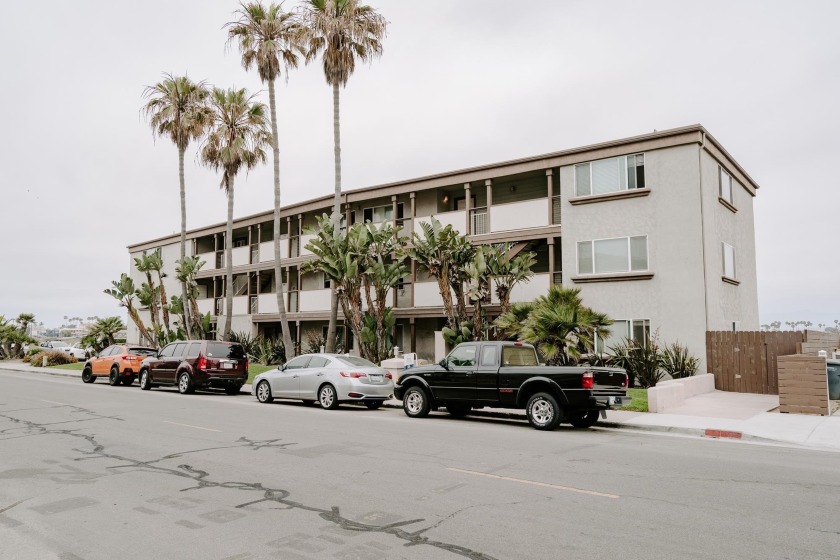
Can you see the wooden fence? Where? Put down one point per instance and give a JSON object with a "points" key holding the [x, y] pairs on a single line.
{"points": [[803, 385], [746, 361]]}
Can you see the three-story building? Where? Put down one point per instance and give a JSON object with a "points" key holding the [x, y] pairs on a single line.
{"points": [[656, 230]]}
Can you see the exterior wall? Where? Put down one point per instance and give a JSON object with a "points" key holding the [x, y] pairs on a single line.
{"points": [[673, 300], [679, 211], [728, 303]]}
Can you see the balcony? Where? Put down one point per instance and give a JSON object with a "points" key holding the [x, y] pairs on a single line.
{"points": [[457, 219], [479, 221], [519, 215], [239, 255], [555, 210], [304, 240], [209, 260]]}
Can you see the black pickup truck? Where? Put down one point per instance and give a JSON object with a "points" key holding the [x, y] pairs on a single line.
{"points": [[509, 375]]}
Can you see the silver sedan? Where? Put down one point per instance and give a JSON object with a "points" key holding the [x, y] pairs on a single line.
{"points": [[329, 379]]}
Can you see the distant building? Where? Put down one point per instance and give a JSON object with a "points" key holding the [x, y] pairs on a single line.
{"points": [[656, 230]]}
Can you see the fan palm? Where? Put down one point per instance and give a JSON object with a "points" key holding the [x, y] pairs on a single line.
{"points": [[237, 138], [342, 32], [268, 40], [177, 110]]}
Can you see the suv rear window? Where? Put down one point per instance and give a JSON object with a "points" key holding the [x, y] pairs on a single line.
{"points": [[222, 350]]}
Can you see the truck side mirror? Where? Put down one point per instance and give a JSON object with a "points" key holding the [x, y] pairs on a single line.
{"points": [[444, 363]]}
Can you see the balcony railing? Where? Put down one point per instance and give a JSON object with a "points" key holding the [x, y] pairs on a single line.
{"points": [[220, 306], [254, 305], [255, 254], [479, 221], [295, 247], [558, 279], [555, 210], [220, 259]]}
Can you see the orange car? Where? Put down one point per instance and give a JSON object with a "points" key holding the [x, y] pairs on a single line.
{"points": [[120, 363]]}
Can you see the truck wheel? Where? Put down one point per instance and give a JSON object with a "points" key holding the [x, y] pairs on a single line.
{"points": [[458, 410], [583, 418], [416, 403], [543, 411], [87, 375], [114, 376]]}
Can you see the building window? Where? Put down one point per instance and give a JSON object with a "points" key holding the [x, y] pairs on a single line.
{"points": [[610, 175], [326, 281], [381, 214], [610, 256], [728, 261], [725, 186], [622, 330]]}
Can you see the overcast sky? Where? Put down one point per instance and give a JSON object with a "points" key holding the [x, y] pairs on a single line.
{"points": [[461, 83]]}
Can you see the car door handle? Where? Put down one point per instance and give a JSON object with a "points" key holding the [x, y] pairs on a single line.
{"points": [[320, 374], [294, 376]]}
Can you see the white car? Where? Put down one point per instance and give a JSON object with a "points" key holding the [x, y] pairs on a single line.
{"points": [[79, 352], [56, 345], [330, 379]]}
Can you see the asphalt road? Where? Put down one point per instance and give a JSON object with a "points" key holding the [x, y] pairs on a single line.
{"points": [[97, 472]]}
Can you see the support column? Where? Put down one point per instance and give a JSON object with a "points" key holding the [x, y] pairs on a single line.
{"points": [[412, 215], [489, 184], [549, 179], [550, 241], [469, 208], [413, 332], [288, 236], [297, 338]]}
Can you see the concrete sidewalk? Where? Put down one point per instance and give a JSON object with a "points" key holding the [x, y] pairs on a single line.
{"points": [[712, 415]]}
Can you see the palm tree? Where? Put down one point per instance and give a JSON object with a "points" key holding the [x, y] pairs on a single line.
{"points": [[558, 324], [268, 40], [186, 271], [177, 109], [148, 291], [124, 291], [507, 272], [156, 264], [343, 31], [238, 136]]}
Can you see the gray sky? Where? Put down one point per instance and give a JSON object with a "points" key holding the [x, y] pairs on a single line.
{"points": [[461, 83]]}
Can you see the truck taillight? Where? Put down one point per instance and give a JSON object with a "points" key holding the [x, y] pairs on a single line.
{"points": [[352, 374], [202, 363], [588, 380]]}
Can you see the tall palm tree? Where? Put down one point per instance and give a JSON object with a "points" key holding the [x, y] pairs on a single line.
{"points": [[268, 40], [342, 31], [237, 138], [148, 294], [177, 109]]}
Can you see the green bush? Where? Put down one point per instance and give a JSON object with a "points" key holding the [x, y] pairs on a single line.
{"points": [[677, 362], [642, 359], [54, 358]]}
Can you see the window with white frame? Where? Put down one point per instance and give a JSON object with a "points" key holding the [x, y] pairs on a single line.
{"points": [[728, 261], [610, 256], [622, 330], [725, 186], [610, 175]]}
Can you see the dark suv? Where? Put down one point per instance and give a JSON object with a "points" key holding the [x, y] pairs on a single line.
{"points": [[193, 364]]}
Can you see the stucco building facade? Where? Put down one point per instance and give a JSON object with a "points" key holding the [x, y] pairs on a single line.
{"points": [[656, 230]]}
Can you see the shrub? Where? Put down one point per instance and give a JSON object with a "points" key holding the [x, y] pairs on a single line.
{"points": [[54, 358], [314, 342], [677, 362], [268, 351], [642, 360]]}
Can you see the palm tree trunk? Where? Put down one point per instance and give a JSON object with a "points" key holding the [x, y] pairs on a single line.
{"points": [[183, 235], [164, 302], [336, 217], [278, 269], [229, 263]]}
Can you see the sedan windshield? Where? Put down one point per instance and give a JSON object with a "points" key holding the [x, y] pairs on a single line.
{"points": [[355, 361]]}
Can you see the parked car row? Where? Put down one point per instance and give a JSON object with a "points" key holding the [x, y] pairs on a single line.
{"points": [[75, 350], [474, 375]]}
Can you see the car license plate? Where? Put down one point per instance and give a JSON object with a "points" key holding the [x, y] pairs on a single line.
{"points": [[375, 377], [227, 365]]}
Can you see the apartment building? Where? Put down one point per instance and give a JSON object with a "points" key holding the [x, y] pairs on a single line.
{"points": [[656, 230]]}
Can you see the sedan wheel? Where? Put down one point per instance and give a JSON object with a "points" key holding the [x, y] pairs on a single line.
{"points": [[264, 392], [416, 403], [327, 397], [543, 411]]}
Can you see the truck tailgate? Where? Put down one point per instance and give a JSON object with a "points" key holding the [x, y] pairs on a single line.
{"points": [[609, 378]]}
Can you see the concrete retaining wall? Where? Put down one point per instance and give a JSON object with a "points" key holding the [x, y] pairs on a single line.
{"points": [[672, 393]]}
